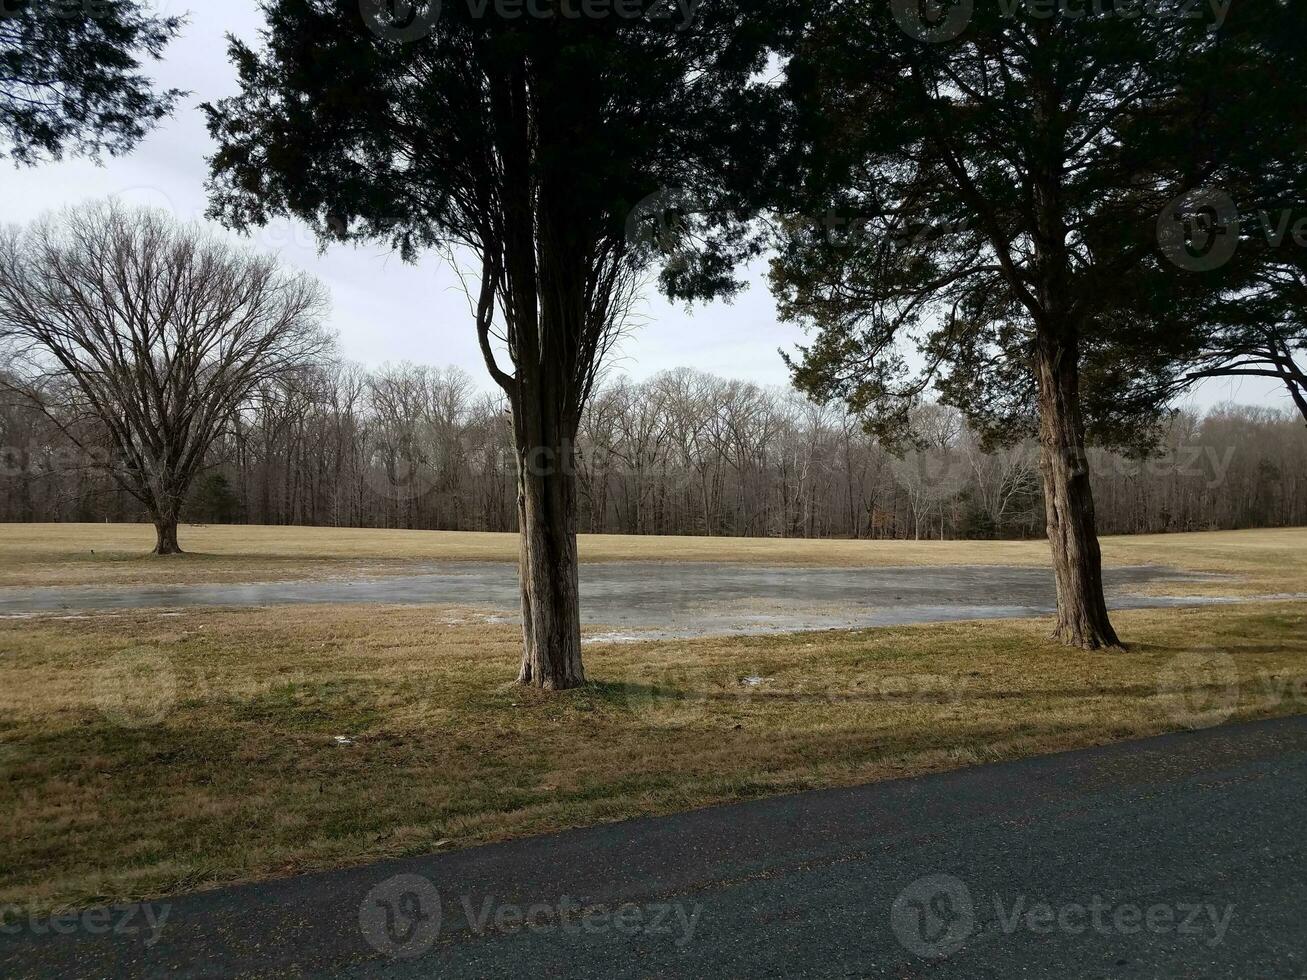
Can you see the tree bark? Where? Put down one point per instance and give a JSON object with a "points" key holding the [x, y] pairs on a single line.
{"points": [[1293, 378], [1082, 619], [165, 529], [546, 509]]}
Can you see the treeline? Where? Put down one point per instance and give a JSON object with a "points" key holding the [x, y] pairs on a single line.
{"points": [[682, 453]]}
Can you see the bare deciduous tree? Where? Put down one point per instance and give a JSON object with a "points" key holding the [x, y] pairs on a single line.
{"points": [[316, 448], [153, 332]]}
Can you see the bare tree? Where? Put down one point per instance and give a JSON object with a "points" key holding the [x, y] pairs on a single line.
{"points": [[931, 473], [330, 446], [155, 332], [1004, 481]]}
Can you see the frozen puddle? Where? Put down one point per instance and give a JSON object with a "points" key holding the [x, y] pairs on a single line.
{"points": [[647, 600]]}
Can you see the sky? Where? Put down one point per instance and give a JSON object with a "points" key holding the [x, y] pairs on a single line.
{"points": [[384, 310]]}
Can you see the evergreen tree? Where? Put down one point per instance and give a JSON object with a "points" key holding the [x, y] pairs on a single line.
{"points": [[1005, 186], [72, 78], [216, 501], [527, 138]]}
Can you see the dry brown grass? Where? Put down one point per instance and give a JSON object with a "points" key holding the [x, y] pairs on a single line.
{"points": [[144, 754], [1264, 561]]}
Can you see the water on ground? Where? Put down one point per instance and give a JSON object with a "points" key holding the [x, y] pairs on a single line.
{"points": [[638, 600]]}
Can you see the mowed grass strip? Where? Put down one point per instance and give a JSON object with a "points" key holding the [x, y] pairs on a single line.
{"points": [[1271, 561], [147, 754]]}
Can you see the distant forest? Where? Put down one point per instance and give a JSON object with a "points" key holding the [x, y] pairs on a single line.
{"points": [[681, 453]]}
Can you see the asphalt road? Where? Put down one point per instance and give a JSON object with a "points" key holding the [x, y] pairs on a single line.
{"points": [[1180, 856]]}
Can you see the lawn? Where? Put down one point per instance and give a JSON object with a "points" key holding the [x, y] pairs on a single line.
{"points": [[145, 754], [1261, 561]]}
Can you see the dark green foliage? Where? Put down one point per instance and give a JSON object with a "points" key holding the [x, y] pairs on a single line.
{"points": [[1009, 181], [215, 501], [413, 142], [71, 76], [1252, 304]]}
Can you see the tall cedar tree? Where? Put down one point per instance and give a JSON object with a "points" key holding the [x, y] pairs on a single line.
{"points": [[992, 186], [72, 79], [541, 142], [1250, 286]]}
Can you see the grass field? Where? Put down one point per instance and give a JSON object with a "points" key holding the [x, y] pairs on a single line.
{"points": [[1261, 561], [147, 753]]}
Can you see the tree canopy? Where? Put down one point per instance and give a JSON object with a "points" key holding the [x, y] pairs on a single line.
{"points": [[929, 168], [72, 77]]}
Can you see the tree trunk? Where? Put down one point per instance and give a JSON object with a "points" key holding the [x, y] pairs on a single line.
{"points": [[546, 506], [165, 529], [1082, 619]]}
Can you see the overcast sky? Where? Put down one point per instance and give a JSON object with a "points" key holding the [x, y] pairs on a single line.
{"points": [[384, 310]]}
